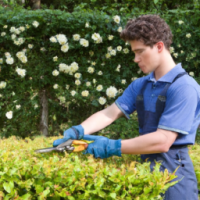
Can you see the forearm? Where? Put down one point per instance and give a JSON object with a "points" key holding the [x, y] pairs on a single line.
{"points": [[156, 142], [101, 119]]}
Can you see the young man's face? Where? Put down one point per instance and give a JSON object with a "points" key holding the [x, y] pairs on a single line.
{"points": [[146, 57]]}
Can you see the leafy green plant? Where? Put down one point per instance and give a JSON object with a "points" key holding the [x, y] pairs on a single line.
{"points": [[25, 174]]}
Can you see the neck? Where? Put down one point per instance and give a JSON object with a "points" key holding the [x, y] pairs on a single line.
{"points": [[166, 64]]}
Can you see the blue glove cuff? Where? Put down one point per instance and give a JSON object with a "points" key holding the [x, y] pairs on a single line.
{"points": [[79, 131], [114, 148]]}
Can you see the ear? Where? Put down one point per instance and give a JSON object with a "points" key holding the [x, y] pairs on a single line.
{"points": [[160, 46]]}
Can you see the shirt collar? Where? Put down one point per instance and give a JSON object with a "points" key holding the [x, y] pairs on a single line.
{"points": [[169, 77]]}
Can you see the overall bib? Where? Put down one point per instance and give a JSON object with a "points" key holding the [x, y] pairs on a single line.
{"points": [[177, 156]]}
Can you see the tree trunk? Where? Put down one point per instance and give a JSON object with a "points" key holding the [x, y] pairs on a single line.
{"points": [[36, 4], [44, 113]]}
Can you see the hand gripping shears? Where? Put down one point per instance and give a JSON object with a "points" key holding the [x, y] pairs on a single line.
{"points": [[69, 145]]}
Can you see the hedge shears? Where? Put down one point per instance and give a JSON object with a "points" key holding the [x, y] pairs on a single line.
{"points": [[69, 145]]}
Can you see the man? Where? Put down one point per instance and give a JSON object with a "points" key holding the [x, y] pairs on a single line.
{"points": [[167, 102]]}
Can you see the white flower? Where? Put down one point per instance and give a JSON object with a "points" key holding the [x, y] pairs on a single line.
{"points": [[18, 107], [126, 50], [118, 68], [5, 26], [17, 31], [21, 72], [119, 48], [120, 91], [87, 25], [116, 19], [3, 34], [95, 36], [182, 51], [35, 106], [2, 84], [119, 29], [111, 92], [188, 35], [13, 36], [191, 73], [35, 24], [108, 55], [94, 80], [65, 47], [77, 82], [64, 68], [84, 42], [30, 46], [13, 93], [179, 45], [27, 26], [134, 78], [110, 37], [139, 71], [100, 73], [76, 37], [123, 81], [77, 75], [53, 39], [1, 95], [171, 49], [20, 54], [85, 93], [67, 87], [175, 55], [9, 60], [12, 29], [73, 92], [74, 67], [9, 114], [24, 59], [102, 100], [7, 54], [99, 88], [62, 39], [55, 86], [1, 60], [180, 22], [55, 72], [88, 83], [42, 49], [55, 58], [62, 99], [113, 52], [93, 63], [90, 70], [110, 48], [22, 28]]}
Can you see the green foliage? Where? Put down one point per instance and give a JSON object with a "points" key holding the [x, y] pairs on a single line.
{"points": [[122, 128], [25, 174]]}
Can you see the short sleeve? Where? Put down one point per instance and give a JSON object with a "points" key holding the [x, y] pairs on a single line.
{"points": [[180, 108], [126, 102]]}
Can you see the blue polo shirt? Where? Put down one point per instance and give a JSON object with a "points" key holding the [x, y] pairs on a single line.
{"points": [[182, 108]]}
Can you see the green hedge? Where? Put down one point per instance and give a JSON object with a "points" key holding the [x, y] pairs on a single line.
{"points": [[25, 174]]}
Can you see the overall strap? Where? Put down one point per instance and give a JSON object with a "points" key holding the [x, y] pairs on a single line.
{"points": [[160, 103]]}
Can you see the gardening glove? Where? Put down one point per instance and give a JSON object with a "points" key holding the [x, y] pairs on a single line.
{"points": [[75, 132], [102, 147]]}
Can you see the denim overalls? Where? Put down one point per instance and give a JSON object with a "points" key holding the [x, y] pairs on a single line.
{"points": [[177, 156]]}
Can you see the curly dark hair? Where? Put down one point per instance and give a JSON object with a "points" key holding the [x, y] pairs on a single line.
{"points": [[149, 29]]}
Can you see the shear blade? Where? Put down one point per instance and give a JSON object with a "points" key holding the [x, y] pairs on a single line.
{"points": [[45, 150]]}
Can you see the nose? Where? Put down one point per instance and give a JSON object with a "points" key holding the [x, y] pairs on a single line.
{"points": [[136, 59]]}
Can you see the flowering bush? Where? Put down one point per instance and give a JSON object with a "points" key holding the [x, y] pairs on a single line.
{"points": [[78, 59]]}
